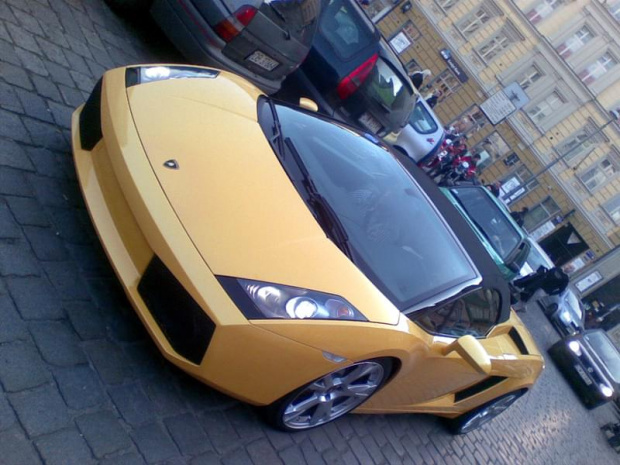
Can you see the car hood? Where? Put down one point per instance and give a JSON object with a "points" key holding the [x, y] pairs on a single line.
{"points": [[233, 197]]}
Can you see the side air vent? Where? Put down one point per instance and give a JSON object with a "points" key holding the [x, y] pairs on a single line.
{"points": [[90, 119], [518, 340], [186, 326], [478, 388]]}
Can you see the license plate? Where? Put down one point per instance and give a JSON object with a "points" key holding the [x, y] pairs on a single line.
{"points": [[584, 376], [264, 61], [367, 120]]}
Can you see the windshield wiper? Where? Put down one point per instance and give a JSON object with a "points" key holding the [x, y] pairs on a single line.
{"points": [[324, 213], [278, 13]]}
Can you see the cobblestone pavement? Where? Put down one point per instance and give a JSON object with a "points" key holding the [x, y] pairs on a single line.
{"points": [[81, 383]]}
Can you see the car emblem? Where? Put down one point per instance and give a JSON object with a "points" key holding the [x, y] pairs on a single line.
{"points": [[172, 164]]}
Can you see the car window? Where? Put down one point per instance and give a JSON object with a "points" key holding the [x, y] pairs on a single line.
{"points": [[474, 314], [492, 222], [345, 31], [535, 260], [573, 302], [422, 121], [606, 351], [399, 240], [385, 86], [298, 17]]}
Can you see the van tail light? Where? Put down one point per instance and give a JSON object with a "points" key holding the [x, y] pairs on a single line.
{"points": [[230, 27], [357, 77]]}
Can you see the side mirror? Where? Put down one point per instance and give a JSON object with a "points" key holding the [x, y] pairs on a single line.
{"points": [[308, 104], [472, 352]]}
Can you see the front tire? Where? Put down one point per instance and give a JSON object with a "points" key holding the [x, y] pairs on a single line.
{"points": [[329, 397], [476, 418]]}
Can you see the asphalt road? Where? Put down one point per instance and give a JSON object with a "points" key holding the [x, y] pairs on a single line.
{"points": [[81, 383]]}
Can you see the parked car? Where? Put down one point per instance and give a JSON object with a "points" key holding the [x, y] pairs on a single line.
{"points": [[422, 137], [565, 311], [291, 262], [536, 258], [504, 240], [262, 40], [353, 74], [591, 363]]}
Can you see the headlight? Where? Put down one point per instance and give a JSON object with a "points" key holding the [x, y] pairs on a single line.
{"points": [[258, 300], [565, 317], [144, 74], [575, 347], [607, 391]]}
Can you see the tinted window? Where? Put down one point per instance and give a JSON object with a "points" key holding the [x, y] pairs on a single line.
{"points": [[607, 353], [422, 121], [385, 86], [474, 314], [343, 28], [399, 240], [493, 223], [298, 17]]}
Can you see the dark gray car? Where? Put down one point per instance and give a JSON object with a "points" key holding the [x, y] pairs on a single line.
{"points": [[264, 41]]}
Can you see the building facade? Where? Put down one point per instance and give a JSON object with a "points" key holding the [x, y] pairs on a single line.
{"points": [[558, 153]]}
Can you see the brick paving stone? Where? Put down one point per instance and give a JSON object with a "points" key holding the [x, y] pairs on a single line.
{"points": [[14, 156], [65, 14], [103, 433], [86, 320], [311, 455], [12, 327], [11, 126], [46, 88], [34, 105], [359, 449], [160, 392], [76, 62], [244, 419], [8, 98], [28, 22], [125, 459], [109, 361], [32, 62], [61, 113], [35, 298], [40, 410], [72, 96], [261, 452], [4, 35], [154, 443], [188, 434], [46, 244], [133, 404], [97, 69], [57, 342], [52, 52], [7, 416], [209, 458], [220, 431], [292, 456], [14, 74], [16, 449], [48, 135], [70, 224], [6, 13], [59, 75], [237, 457], [8, 226], [54, 448], [8, 55], [46, 164], [66, 279], [80, 387], [16, 259], [278, 439], [23, 38]]}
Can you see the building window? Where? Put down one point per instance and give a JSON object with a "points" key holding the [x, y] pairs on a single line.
{"points": [[598, 175], [579, 144], [545, 108], [575, 42], [529, 77], [517, 184], [446, 82], [597, 69], [447, 5], [490, 149], [498, 43], [613, 208], [543, 10], [376, 9], [540, 213], [471, 120], [473, 22], [614, 10]]}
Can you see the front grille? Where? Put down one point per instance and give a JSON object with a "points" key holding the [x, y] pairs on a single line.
{"points": [[478, 388], [518, 340], [183, 322], [90, 119]]}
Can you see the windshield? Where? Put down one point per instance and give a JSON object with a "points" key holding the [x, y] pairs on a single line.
{"points": [[385, 87], [606, 351], [344, 29], [422, 121], [299, 18], [395, 236], [573, 303], [491, 221]]}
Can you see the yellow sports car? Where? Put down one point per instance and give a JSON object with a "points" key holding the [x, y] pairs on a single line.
{"points": [[291, 261]]}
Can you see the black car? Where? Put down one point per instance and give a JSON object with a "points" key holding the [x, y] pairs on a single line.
{"points": [[591, 363], [353, 74]]}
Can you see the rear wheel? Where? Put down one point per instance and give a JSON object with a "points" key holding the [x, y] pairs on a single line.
{"points": [[129, 7], [483, 414], [328, 397]]}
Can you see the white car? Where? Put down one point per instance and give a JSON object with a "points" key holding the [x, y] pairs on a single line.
{"points": [[535, 259], [422, 137]]}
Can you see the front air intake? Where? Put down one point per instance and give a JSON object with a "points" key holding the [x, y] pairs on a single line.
{"points": [[90, 119]]}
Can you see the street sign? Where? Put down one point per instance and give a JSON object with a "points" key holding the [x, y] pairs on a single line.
{"points": [[504, 103]]}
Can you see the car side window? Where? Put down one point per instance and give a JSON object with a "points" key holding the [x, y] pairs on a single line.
{"points": [[475, 313]]}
